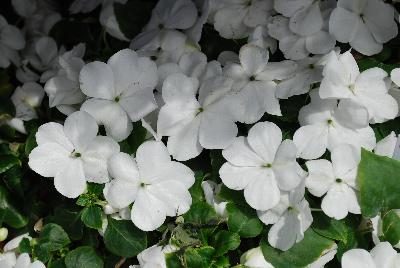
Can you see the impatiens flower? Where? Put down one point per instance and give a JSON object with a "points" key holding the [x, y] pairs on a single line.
{"points": [[167, 15], [381, 256], [262, 165], [211, 190], [11, 40], [109, 21], [291, 217], [343, 80], [154, 256], [63, 89], [389, 146], [192, 124], [372, 24], [235, 18], [254, 258], [157, 186], [22, 261], [325, 124], [72, 154], [336, 179], [120, 91], [254, 85], [26, 99]]}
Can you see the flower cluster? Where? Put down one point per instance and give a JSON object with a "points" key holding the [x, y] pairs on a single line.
{"points": [[291, 111]]}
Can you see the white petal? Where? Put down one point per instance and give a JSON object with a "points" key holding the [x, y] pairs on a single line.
{"points": [[237, 178], [345, 159], [395, 76], [121, 193], [95, 158], [184, 144], [311, 141], [379, 18], [53, 133], [320, 43], [387, 145], [80, 128], [70, 179], [339, 22], [46, 48], [149, 154], [47, 159], [97, 80], [178, 88], [173, 171], [12, 37], [357, 258], [384, 255], [111, 115], [352, 114], [262, 192], [173, 117], [283, 234], [123, 167], [148, 212], [253, 59], [285, 166], [340, 200], [320, 176], [307, 21], [229, 23], [174, 195], [139, 104], [364, 42], [239, 153], [265, 138]]}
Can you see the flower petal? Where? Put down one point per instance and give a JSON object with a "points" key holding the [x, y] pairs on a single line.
{"points": [[97, 80], [80, 128], [70, 179], [311, 141], [148, 212], [239, 153]]}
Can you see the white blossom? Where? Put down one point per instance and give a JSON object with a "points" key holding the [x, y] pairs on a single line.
{"points": [[72, 154], [157, 186], [365, 24], [120, 91], [11, 40], [336, 179], [261, 164]]}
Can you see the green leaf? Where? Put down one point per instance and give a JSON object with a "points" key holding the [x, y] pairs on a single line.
{"points": [[8, 161], [225, 241], [196, 191], [9, 213], [331, 228], [83, 257], [172, 261], [301, 254], [69, 219], [52, 238], [367, 63], [124, 239], [199, 257], [379, 183], [56, 264], [391, 227], [25, 246], [30, 143], [92, 217], [200, 213], [243, 220]]}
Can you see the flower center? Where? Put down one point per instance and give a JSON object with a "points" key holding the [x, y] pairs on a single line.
{"points": [[160, 26], [200, 110], [76, 154], [338, 180], [116, 99], [252, 78], [351, 87], [154, 58], [311, 66], [268, 165], [143, 184], [329, 122]]}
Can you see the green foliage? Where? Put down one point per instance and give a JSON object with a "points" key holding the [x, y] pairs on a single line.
{"points": [[83, 257], [243, 220], [301, 254], [52, 238], [391, 227], [9, 213], [92, 217], [124, 239], [225, 241], [378, 179]]}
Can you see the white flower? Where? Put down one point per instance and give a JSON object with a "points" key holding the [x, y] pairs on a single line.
{"points": [[262, 165], [325, 124], [157, 186], [254, 258], [254, 84], [372, 24], [22, 261], [297, 39], [291, 217], [261, 38], [154, 257], [109, 21], [381, 256], [336, 179], [72, 154], [211, 190], [343, 80], [26, 99], [167, 15], [121, 91], [389, 146], [24, 8], [63, 89], [11, 40], [307, 74], [235, 18], [192, 124], [204, 7]]}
